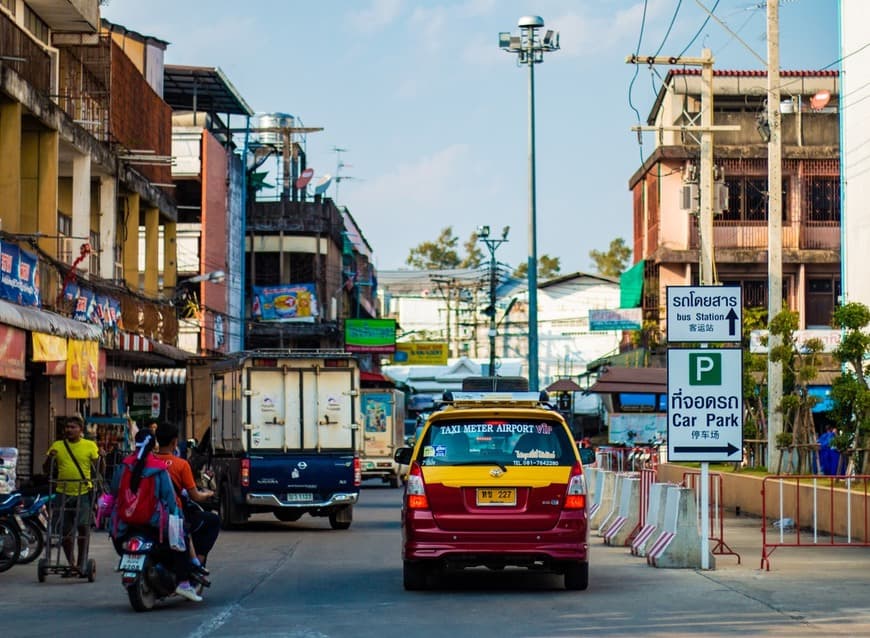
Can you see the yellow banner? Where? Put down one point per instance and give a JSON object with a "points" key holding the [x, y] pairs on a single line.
{"points": [[48, 347], [431, 353], [83, 359]]}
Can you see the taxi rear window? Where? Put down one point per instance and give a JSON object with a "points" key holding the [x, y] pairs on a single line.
{"points": [[517, 442]]}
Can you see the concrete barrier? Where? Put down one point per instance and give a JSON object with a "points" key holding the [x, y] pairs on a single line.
{"points": [[621, 527], [679, 544], [655, 516], [610, 503], [590, 474], [604, 498]]}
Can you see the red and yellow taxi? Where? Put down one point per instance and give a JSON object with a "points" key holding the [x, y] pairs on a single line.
{"points": [[495, 480]]}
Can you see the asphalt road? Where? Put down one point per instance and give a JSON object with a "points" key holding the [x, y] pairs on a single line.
{"points": [[305, 580]]}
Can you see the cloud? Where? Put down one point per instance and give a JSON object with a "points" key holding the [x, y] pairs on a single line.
{"points": [[379, 14]]}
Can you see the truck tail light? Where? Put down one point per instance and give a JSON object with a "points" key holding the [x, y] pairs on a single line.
{"points": [[246, 472], [357, 472], [415, 489], [575, 496]]}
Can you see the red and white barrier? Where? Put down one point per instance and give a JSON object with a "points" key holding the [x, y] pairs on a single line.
{"points": [[679, 543], [604, 497], [623, 524], [655, 517]]}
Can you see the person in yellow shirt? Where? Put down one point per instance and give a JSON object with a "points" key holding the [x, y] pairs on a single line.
{"points": [[73, 458]]}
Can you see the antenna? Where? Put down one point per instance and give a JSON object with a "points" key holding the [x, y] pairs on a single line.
{"points": [[338, 166]]}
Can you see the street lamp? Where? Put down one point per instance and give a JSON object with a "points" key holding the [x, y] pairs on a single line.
{"points": [[530, 51], [492, 245]]}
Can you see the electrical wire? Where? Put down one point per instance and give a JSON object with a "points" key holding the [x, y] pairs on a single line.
{"points": [[634, 78], [710, 13]]}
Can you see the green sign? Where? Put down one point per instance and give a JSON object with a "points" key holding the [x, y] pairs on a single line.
{"points": [[370, 335], [705, 369]]}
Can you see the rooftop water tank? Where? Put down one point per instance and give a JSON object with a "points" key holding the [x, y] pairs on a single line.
{"points": [[272, 120]]}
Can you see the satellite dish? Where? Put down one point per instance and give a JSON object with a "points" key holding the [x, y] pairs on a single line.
{"points": [[304, 178], [323, 184], [820, 100]]}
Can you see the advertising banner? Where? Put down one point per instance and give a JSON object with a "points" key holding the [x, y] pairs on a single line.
{"points": [[19, 275], [370, 335], [83, 359], [12, 344], [621, 319], [290, 302], [48, 347], [428, 353], [94, 308]]}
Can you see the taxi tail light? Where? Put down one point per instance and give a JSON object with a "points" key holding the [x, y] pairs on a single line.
{"points": [[415, 489], [246, 472], [357, 472], [575, 496]]}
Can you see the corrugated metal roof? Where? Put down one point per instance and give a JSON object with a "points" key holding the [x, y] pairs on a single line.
{"points": [[45, 321]]}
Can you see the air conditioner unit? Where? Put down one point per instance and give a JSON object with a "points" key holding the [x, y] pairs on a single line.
{"points": [[689, 197]]}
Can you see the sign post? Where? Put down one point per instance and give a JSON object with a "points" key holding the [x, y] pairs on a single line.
{"points": [[705, 385]]}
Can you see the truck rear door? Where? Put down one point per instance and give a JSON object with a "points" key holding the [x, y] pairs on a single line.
{"points": [[320, 408]]}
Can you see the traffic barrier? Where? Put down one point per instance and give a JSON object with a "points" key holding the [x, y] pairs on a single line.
{"points": [[613, 514], [606, 485], [679, 543], [611, 459], [627, 516], [716, 510], [654, 519], [814, 511], [591, 477]]}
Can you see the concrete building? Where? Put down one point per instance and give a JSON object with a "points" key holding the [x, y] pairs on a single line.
{"points": [[665, 192]]}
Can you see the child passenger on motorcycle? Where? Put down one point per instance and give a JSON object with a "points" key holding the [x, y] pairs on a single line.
{"points": [[143, 464]]}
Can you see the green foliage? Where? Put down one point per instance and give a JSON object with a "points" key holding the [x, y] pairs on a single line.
{"points": [[849, 392], [474, 256], [613, 262], [548, 267], [436, 255]]}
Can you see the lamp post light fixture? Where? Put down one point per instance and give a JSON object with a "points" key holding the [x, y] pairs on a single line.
{"points": [[492, 245], [530, 49]]}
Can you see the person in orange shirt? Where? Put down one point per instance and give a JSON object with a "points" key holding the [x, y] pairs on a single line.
{"points": [[203, 526]]}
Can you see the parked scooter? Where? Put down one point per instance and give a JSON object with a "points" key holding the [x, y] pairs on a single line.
{"points": [[10, 536], [146, 571], [34, 520]]}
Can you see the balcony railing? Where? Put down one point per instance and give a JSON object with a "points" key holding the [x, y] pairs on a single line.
{"points": [[744, 234], [308, 218], [21, 54]]}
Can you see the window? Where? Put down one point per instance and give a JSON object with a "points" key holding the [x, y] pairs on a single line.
{"points": [[822, 295], [35, 25], [747, 199], [822, 199]]}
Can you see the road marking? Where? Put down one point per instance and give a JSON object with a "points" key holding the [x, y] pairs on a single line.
{"points": [[227, 612]]}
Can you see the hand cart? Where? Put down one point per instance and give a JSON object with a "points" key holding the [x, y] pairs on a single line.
{"points": [[70, 520]]}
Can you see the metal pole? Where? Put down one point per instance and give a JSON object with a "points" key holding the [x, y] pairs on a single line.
{"points": [[533, 240], [492, 326]]}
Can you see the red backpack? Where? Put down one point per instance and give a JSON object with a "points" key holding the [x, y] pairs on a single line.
{"points": [[140, 507]]}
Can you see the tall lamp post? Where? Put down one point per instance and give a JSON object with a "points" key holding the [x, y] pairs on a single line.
{"points": [[530, 51], [492, 245]]}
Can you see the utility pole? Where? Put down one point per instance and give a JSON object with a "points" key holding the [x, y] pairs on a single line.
{"points": [[774, 227], [492, 245]]}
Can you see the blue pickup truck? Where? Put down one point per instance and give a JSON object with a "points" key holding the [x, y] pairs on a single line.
{"points": [[284, 435]]}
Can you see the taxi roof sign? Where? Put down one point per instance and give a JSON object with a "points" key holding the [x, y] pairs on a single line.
{"points": [[490, 398]]}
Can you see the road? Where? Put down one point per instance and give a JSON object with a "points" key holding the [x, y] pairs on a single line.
{"points": [[304, 580]]}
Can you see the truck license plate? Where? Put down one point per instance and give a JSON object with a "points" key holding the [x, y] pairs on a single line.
{"points": [[300, 497], [131, 563], [496, 496]]}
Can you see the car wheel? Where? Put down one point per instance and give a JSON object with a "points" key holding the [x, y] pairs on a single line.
{"points": [[577, 576], [341, 518], [225, 508], [415, 576]]}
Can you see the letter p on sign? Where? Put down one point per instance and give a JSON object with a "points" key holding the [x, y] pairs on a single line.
{"points": [[705, 369]]}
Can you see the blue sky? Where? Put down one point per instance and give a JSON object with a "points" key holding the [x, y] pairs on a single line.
{"points": [[434, 116]]}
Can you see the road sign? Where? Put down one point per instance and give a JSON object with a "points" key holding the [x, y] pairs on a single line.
{"points": [[705, 405], [705, 313]]}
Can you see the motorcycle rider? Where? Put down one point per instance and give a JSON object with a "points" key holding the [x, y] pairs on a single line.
{"points": [[142, 464], [203, 526]]}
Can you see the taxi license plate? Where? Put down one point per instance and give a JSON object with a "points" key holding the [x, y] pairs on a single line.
{"points": [[496, 496], [131, 563], [300, 497]]}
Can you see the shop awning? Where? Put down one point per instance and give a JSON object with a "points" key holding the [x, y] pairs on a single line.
{"points": [[631, 286], [160, 376], [128, 348], [38, 320], [615, 380]]}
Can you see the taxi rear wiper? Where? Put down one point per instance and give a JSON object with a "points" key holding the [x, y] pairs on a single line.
{"points": [[500, 466]]}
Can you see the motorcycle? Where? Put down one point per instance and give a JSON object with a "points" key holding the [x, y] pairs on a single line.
{"points": [[33, 528], [10, 536], [146, 571]]}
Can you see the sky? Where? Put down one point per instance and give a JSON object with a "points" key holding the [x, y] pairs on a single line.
{"points": [[434, 117]]}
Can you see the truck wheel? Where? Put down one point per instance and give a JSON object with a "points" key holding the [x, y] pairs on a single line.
{"points": [[394, 481], [226, 509], [341, 518]]}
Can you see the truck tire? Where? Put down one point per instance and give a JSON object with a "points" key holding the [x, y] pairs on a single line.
{"points": [[341, 518], [394, 481], [226, 509]]}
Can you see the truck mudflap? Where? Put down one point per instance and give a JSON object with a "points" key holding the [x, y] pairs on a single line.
{"points": [[272, 500]]}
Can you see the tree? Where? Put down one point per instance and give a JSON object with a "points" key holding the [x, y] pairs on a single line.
{"points": [[613, 262], [547, 267], [436, 255], [473, 254], [800, 365], [850, 391]]}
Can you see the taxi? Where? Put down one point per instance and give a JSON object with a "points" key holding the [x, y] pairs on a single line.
{"points": [[495, 481]]}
